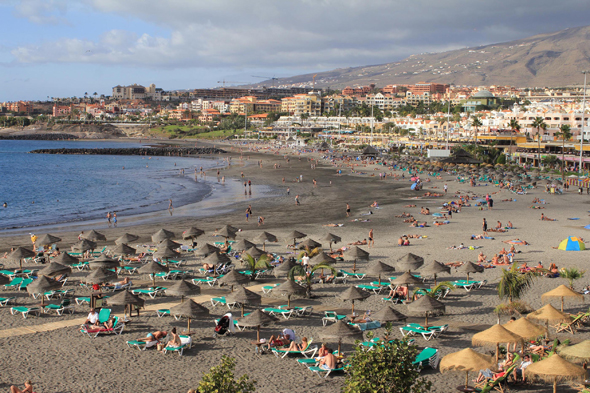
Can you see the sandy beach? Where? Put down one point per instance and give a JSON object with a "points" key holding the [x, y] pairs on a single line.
{"points": [[61, 359]]}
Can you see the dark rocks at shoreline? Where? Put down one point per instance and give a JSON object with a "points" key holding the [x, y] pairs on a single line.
{"points": [[38, 137], [139, 151]]}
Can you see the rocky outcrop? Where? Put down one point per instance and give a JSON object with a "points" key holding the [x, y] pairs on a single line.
{"points": [[139, 151]]}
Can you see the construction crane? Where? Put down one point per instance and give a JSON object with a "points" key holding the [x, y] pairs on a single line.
{"points": [[224, 82], [267, 78]]}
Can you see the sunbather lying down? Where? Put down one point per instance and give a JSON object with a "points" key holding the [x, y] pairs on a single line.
{"points": [[333, 225], [152, 339], [298, 347], [281, 340]]}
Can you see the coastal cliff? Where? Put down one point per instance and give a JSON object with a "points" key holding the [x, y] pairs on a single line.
{"points": [[140, 151]]}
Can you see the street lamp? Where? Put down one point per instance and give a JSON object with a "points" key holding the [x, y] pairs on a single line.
{"points": [[583, 116]]}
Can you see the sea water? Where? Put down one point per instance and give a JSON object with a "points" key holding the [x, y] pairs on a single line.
{"points": [[41, 189]]}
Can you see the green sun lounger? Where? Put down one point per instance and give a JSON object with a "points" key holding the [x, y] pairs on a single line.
{"points": [[331, 316], [221, 300], [279, 311], [358, 276], [308, 352], [65, 305], [428, 357], [427, 334], [4, 301], [319, 371], [25, 311], [209, 280], [269, 288], [371, 288], [151, 292]]}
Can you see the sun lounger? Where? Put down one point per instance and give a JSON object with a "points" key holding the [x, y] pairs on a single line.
{"points": [[84, 299], [25, 310], [93, 332], [151, 292], [366, 325], [127, 270], [427, 334], [24, 283], [162, 312], [209, 280], [10, 274], [4, 301], [308, 362], [428, 357], [278, 311], [221, 300], [308, 352], [269, 288], [394, 300], [65, 305], [371, 288], [358, 276], [141, 345], [175, 262], [319, 371], [16, 281], [82, 265], [331, 316], [29, 272], [570, 327]]}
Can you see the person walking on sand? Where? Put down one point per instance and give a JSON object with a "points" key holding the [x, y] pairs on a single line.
{"points": [[109, 219], [484, 227], [347, 210], [115, 219], [297, 200], [248, 212], [371, 239], [446, 188], [288, 190], [170, 207]]}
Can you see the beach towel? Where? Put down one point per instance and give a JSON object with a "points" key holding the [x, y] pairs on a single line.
{"points": [[574, 218], [231, 326]]}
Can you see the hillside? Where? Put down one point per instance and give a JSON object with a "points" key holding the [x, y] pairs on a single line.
{"points": [[553, 59]]}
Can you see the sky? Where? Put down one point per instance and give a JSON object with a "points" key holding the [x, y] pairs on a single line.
{"points": [[64, 48]]}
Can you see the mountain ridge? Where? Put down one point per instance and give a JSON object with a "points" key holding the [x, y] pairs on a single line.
{"points": [[547, 59]]}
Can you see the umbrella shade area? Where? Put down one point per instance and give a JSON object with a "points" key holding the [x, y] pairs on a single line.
{"points": [[217, 258], [494, 336], [124, 249], [189, 309], [124, 298], [100, 275], [228, 232], [84, 245], [549, 314], [435, 267], [388, 314], [43, 284], [234, 278], [21, 253], [572, 243], [555, 369], [47, 239], [525, 328], [166, 252], [341, 331], [169, 243], [126, 238], [94, 236], [356, 253], [562, 292], [309, 243], [242, 245], [409, 262], [104, 262], [284, 268], [162, 234], [322, 257], [255, 252], [266, 237]]}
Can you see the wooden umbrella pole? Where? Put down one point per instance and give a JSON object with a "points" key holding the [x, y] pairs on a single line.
{"points": [[289, 301], [188, 330], [562, 304], [352, 307], [354, 266], [339, 347], [555, 384], [242, 310], [497, 351], [258, 333], [466, 379], [435, 279]]}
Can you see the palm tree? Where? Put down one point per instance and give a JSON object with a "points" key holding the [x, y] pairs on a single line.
{"points": [[299, 271], [438, 291], [514, 284], [539, 123], [565, 133], [571, 275], [476, 122], [254, 265], [515, 127]]}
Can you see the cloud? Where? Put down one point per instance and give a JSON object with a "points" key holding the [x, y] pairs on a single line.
{"points": [[296, 33], [42, 11]]}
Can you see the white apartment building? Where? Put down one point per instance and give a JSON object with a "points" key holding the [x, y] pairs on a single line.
{"points": [[135, 91]]}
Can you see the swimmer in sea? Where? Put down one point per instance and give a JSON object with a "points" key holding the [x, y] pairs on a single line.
{"points": [[5, 205]]}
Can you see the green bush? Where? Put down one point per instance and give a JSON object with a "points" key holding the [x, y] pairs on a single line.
{"points": [[221, 379]]}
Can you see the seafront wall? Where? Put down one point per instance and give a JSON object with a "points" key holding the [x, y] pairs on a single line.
{"points": [[38, 137], [136, 151]]}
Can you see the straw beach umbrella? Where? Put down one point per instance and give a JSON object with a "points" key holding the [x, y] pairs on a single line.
{"points": [[244, 296], [378, 268], [66, 259], [406, 279], [242, 245], [162, 234], [153, 268], [21, 253], [104, 262], [295, 235], [427, 306], [190, 310], [549, 314], [290, 288], [192, 233], [126, 238], [256, 319], [352, 294], [321, 257], [217, 258], [388, 314], [354, 254], [465, 360], [94, 236], [126, 298], [494, 336], [166, 253], [577, 353], [123, 249], [205, 250], [434, 268], [255, 252], [227, 232], [183, 288], [54, 269], [562, 292], [555, 369], [332, 239], [409, 262], [100, 275], [234, 278], [84, 245], [309, 243], [339, 331], [169, 243], [265, 237], [47, 239], [525, 328], [470, 267], [41, 285], [284, 268]]}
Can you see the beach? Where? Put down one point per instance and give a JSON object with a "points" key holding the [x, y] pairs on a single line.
{"points": [[61, 359]]}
